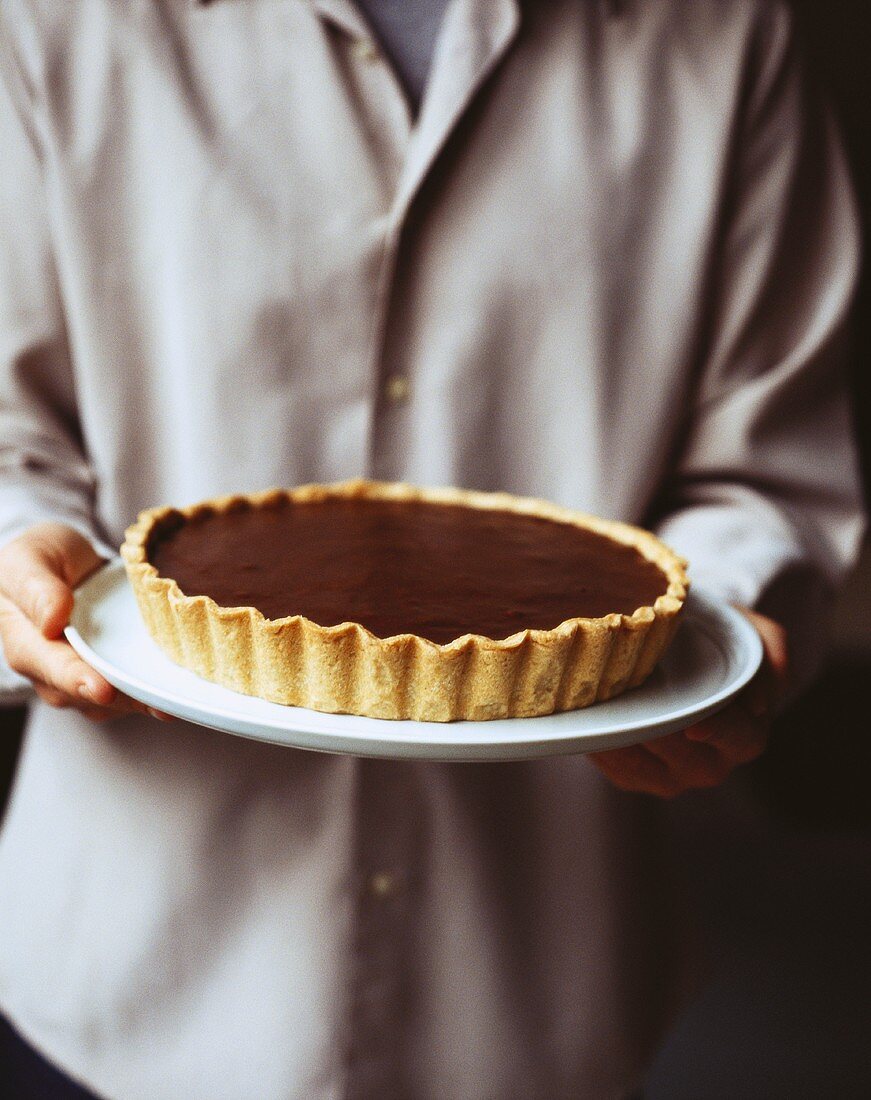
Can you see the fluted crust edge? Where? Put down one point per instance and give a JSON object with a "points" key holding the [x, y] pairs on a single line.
{"points": [[347, 669]]}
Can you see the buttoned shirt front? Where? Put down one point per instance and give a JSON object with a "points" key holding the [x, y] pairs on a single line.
{"points": [[609, 264]]}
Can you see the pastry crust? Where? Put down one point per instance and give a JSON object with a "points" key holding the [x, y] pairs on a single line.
{"points": [[347, 669]]}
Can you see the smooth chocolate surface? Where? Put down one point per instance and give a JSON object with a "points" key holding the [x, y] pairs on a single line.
{"points": [[439, 571]]}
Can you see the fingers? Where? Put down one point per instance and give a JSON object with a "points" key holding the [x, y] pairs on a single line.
{"points": [[39, 570], [691, 765], [769, 684], [38, 573], [736, 735], [700, 757], [54, 664], [636, 769], [665, 767], [120, 706], [59, 676], [61, 700], [705, 754]]}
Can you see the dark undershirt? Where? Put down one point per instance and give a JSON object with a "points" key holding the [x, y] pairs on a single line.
{"points": [[407, 31]]}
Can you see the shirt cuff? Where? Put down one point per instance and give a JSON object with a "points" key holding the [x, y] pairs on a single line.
{"points": [[22, 507], [730, 554], [755, 560]]}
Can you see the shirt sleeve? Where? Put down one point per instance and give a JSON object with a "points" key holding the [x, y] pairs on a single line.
{"points": [[44, 474], [765, 499]]}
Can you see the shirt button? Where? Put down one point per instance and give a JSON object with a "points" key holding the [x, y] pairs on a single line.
{"points": [[383, 884], [364, 49], [397, 389]]}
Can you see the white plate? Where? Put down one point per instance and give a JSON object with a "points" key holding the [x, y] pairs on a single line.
{"points": [[715, 653]]}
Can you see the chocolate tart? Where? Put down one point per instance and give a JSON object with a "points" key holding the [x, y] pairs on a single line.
{"points": [[391, 601]]}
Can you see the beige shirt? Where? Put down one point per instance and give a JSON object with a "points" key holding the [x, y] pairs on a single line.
{"points": [[609, 265]]}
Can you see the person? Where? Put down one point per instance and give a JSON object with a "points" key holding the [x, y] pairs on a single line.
{"points": [[607, 259]]}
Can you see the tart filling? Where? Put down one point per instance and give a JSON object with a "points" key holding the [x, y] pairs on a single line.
{"points": [[405, 567], [394, 602]]}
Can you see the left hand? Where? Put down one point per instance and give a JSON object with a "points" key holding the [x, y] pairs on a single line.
{"points": [[705, 754]]}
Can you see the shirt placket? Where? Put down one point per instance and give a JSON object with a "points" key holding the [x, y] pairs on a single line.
{"points": [[390, 859], [385, 114], [391, 842], [474, 37]]}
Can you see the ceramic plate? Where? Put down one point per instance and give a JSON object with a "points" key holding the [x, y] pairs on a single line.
{"points": [[715, 653]]}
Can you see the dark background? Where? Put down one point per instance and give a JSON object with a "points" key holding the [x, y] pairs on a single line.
{"points": [[776, 866]]}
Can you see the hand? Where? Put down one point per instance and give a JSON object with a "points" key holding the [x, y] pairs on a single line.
{"points": [[705, 754], [38, 572]]}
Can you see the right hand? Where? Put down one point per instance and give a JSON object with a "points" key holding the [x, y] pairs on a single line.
{"points": [[38, 572]]}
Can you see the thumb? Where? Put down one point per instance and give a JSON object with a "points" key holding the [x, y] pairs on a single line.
{"points": [[41, 568], [769, 685]]}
